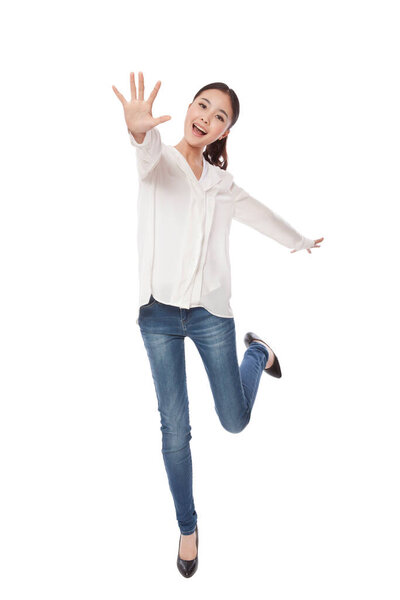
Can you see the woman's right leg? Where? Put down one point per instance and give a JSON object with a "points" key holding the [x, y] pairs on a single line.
{"points": [[166, 353]]}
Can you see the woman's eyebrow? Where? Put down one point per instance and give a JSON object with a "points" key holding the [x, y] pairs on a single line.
{"points": [[220, 109]]}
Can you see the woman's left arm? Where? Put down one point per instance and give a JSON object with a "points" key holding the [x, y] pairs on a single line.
{"points": [[255, 214]]}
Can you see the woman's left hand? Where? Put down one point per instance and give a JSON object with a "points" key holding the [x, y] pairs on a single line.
{"points": [[315, 246]]}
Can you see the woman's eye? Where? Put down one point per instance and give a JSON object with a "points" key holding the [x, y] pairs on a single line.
{"points": [[219, 116]]}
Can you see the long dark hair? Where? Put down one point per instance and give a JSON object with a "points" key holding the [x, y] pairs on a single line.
{"points": [[215, 153]]}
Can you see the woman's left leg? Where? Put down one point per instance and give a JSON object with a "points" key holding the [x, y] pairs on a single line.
{"points": [[234, 386]]}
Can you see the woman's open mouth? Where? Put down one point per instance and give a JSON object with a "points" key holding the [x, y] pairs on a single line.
{"points": [[197, 131]]}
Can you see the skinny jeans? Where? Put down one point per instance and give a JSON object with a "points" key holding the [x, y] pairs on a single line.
{"points": [[164, 328]]}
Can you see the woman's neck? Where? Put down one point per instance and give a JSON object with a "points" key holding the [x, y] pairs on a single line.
{"points": [[192, 154]]}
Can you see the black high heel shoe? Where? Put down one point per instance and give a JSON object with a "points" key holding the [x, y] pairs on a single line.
{"points": [[274, 369], [187, 568]]}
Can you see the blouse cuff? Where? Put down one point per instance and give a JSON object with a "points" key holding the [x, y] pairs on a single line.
{"points": [[304, 243]]}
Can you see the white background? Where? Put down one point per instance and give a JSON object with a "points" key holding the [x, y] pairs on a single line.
{"points": [[304, 503]]}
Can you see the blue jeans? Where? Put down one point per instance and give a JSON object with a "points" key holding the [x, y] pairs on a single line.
{"points": [[234, 388]]}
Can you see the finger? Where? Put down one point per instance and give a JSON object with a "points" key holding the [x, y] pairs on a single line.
{"points": [[162, 119], [154, 93], [141, 86], [308, 250], [291, 252], [118, 94], [133, 86]]}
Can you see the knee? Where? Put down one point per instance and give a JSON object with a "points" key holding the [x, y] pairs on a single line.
{"points": [[234, 426], [173, 441]]}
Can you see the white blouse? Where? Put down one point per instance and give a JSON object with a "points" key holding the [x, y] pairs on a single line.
{"points": [[183, 228]]}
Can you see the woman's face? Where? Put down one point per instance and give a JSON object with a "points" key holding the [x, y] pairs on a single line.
{"points": [[212, 111]]}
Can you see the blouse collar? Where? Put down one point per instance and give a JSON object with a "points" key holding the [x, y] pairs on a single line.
{"points": [[208, 179]]}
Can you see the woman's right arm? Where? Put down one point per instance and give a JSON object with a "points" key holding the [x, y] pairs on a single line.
{"points": [[141, 124], [148, 151]]}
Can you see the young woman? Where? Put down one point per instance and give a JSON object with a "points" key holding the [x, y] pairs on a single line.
{"points": [[186, 203]]}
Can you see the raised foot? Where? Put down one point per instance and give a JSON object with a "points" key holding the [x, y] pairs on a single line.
{"points": [[271, 356]]}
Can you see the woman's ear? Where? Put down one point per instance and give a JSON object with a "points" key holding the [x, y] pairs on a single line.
{"points": [[225, 134]]}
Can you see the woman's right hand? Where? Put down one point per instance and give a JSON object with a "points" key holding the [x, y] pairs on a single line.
{"points": [[137, 112]]}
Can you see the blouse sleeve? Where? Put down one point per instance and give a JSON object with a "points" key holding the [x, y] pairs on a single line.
{"points": [[255, 214], [148, 153]]}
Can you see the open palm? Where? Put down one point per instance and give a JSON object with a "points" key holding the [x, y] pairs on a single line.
{"points": [[138, 111]]}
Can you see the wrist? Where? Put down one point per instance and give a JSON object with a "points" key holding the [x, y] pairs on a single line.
{"points": [[139, 137]]}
